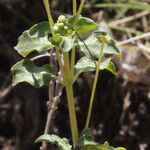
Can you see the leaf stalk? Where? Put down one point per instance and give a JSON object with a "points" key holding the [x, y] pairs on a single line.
{"points": [[94, 87]]}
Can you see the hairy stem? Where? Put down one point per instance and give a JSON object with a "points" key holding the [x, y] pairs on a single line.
{"points": [[94, 87], [50, 18]]}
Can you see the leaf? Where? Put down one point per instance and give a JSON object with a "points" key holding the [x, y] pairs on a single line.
{"points": [[86, 142], [62, 143], [108, 65], [68, 43], [26, 71], [34, 39], [86, 64], [83, 24], [94, 46], [85, 138]]}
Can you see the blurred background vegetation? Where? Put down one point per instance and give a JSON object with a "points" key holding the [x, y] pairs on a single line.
{"points": [[121, 113]]}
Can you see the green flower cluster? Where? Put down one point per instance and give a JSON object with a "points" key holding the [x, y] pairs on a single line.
{"points": [[104, 39], [61, 26]]}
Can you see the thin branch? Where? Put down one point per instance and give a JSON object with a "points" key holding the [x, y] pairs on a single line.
{"points": [[52, 107], [94, 87], [84, 44], [127, 19], [4, 92], [125, 29], [134, 39], [40, 56], [54, 93]]}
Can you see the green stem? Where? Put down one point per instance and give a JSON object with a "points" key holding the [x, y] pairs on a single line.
{"points": [[80, 8], [59, 61], [94, 87], [68, 82], [72, 114], [50, 18], [74, 7], [72, 60], [66, 62]]}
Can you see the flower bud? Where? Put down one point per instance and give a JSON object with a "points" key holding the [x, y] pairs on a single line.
{"points": [[66, 28], [55, 28], [60, 26], [104, 39], [61, 19]]}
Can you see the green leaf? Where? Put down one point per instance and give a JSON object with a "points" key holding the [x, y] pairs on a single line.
{"points": [[94, 46], [83, 24], [86, 142], [26, 71], [62, 143], [68, 43], [56, 40], [108, 65], [34, 39], [85, 138], [86, 64]]}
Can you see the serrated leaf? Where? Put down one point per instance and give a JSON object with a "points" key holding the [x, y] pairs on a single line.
{"points": [[94, 46], [62, 143], [83, 24], [86, 64], [34, 39], [26, 71]]}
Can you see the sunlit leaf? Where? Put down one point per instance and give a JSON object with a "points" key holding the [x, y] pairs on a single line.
{"points": [[34, 39], [94, 46], [62, 143], [26, 71], [68, 43], [82, 24], [86, 64]]}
